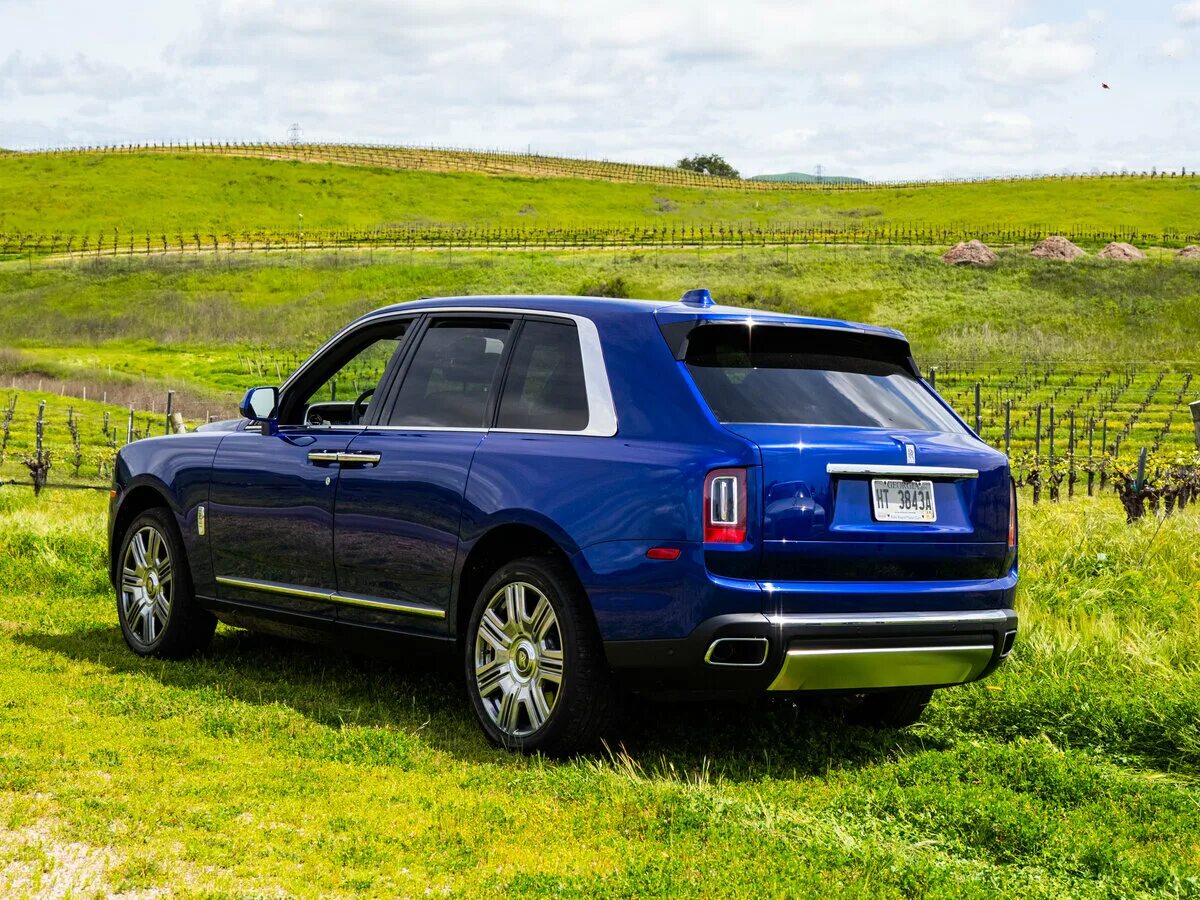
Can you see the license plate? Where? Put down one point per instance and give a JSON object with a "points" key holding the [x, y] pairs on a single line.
{"points": [[896, 500]]}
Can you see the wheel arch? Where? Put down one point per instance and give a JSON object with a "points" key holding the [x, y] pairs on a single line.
{"points": [[500, 544], [143, 494]]}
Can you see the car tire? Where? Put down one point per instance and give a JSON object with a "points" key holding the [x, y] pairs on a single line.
{"points": [[156, 604], [534, 663], [891, 709]]}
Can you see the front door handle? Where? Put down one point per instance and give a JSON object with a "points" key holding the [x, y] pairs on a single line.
{"points": [[359, 458], [323, 457]]}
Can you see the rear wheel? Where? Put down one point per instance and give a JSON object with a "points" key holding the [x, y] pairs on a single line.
{"points": [[535, 667], [891, 709], [155, 602]]}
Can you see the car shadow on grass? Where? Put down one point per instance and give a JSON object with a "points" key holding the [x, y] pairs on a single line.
{"points": [[417, 691]]}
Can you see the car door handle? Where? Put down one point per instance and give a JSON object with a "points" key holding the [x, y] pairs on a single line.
{"points": [[323, 457], [359, 458]]}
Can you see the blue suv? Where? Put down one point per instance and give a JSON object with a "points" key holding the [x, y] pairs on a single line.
{"points": [[586, 497]]}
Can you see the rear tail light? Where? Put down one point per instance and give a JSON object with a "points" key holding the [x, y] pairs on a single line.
{"points": [[725, 506], [1012, 514]]}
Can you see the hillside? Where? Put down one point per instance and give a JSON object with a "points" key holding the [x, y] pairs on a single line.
{"points": [[93, 193]]}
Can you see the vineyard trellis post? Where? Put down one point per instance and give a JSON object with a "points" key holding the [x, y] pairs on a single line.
{"points": [[1008, 427], [978, 412], [1104, 451], [1091, 449], [1037, 434], [1195, 408], [129, 428], [170, 409], [1071, 454]]}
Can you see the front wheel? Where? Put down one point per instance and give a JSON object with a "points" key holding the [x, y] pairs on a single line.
{"points": [[535, 667], [155, 603]]}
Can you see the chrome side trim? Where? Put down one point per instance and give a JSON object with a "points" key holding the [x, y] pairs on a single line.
{"points": [[849, 620], [863, 668], [900, 471], [766, 647], [602, 412], [271, 587]]}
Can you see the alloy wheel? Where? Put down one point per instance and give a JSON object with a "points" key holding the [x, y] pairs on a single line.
{"points": [[519, 659], [147, 584]]}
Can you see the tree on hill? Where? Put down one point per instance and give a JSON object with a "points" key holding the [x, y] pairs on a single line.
{"points": [[710, 164]]}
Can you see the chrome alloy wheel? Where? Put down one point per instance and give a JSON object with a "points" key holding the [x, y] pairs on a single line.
{"points": [[519, 659], [147, 584]]}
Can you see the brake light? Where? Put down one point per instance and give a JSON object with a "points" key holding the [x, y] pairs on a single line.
{"points": [[1012, 514], [725, 506]]}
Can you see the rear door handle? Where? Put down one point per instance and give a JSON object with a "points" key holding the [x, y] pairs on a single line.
{"points": [[323, 457], [359, 458]]}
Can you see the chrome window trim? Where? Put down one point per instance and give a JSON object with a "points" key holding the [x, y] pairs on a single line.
{"points": [[348, 599], [900, 471], [602, 412], [844, 620]]}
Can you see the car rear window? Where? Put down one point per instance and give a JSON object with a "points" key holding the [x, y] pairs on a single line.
{"points": [[545, 389], [803, 376]]}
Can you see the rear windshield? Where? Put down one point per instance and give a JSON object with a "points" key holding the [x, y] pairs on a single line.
{"points": [[803, 376]]}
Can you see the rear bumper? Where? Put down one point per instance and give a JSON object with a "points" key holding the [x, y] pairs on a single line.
{"points": [[825, 652]]}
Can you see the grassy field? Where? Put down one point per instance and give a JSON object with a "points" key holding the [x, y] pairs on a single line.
{"points": [[268, 768], [95, 193]]}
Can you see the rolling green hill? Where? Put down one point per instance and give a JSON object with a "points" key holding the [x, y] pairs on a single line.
{"points": [[93, 193]]}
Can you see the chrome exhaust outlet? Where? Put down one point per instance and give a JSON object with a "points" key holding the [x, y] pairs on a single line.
{"points": [[738, 651]]}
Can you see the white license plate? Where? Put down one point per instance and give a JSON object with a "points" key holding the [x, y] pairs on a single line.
{"points": [[896, 500]]}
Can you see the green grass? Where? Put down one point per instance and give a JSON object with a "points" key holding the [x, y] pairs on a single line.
{"points": [[95, 193], [266, 767]]}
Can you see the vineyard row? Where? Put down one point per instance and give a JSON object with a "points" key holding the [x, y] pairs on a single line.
{"points": [[718, 235], [499, 162]]}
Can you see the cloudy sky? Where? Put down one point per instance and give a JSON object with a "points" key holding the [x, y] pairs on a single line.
{"points": [[876, 88]]}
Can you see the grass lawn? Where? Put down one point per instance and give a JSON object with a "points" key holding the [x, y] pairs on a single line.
{"points": [[266, 768], [90, 193]]}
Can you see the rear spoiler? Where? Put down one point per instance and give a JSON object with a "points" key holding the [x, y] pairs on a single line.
{"points": [[892, 344]]}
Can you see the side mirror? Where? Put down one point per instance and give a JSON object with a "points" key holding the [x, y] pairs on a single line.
{"points": [[260, 405]]}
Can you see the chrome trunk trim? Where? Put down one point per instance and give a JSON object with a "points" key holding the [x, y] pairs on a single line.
{"points": [[900, 471], [852, 620]]}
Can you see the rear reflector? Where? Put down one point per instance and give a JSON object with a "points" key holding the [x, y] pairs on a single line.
{"points": [[725, 506], [662, 553]]}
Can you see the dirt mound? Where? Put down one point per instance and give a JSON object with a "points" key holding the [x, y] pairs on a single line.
{"points": [[1055, 247], [969, 253], [1121, 251], [1192, 252]]}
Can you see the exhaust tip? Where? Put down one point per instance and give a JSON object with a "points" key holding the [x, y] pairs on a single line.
{"points": [[738, 651], [1006, 645]]}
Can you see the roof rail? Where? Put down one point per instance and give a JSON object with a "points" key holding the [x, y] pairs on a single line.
{"points": [[697, 297]]}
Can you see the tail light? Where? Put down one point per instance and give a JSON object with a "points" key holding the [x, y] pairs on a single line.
{"points": [[1012, 514], [725, 506]]}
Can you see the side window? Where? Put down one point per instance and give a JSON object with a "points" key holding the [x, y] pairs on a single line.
{"points": [[545, 389], [339, 387], [452, 374]]}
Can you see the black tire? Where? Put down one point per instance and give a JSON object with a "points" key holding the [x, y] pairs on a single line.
{"points": [[584, 702], [891, 709], [174, 629]]}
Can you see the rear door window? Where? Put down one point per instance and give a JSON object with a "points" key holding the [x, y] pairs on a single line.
{"points": [[803, 376], [545, 389], [452, 376]]}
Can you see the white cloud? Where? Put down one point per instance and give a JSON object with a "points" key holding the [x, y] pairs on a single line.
{"points": [[1188, 13], [1172, 48], [1035, 54]]}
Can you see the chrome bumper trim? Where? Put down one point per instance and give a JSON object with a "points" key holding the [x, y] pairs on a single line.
{"points": [[851, 620], [287, 590], [854, 668], [900, 471]]}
